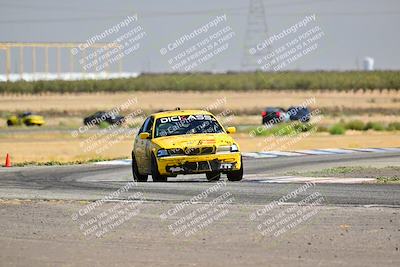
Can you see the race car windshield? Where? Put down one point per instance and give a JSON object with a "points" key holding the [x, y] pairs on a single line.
{"points": [[192, 124]]}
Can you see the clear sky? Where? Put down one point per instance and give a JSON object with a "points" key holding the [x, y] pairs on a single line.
{"points": [[353, 29]]}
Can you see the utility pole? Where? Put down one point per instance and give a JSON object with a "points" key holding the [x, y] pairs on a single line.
{"points": [[256, 32]]}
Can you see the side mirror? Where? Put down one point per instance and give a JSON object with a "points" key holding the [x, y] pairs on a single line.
{"points": [[231, 130], [144, 135]]}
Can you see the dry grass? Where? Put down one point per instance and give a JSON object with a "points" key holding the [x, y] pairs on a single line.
{"points": [[63, 147], [43, 147], [81, 103], [352, 139]]}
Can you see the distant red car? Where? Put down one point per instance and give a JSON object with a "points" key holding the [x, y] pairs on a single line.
{"points": [[273, 115]]}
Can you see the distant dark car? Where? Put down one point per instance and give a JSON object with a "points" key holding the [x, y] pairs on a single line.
{"points": [[273, 115], [100, 116], [299, 114]]}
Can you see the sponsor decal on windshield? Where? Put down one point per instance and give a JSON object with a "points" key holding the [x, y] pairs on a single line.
{"points": [[187, 118]]}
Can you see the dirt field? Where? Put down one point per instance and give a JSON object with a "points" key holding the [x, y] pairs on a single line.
{"points": [[68, 110], [61, 146], [168, 100]]}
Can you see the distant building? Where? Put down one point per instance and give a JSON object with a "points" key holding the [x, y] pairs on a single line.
{"points": [[368, 64]]}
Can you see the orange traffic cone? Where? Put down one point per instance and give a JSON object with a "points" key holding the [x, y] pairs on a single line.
{"points": [[8, 161]]}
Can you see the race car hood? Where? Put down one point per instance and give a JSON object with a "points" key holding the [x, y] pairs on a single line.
{"points": [[194, 140]]}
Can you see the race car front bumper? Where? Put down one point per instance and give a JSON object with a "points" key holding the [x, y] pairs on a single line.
{"points": [[199, 164]]}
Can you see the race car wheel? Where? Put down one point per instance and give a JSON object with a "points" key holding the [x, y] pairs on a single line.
{"points": [[9, 123], [213, 176], [137, 177], [157, 177], [236, 175]]}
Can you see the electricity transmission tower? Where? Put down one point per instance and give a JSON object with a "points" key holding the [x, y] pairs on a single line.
{"points": [[256, 32]]}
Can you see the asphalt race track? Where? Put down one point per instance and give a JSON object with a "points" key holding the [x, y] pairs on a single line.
{"points": [[354, 225], [91, 182]]}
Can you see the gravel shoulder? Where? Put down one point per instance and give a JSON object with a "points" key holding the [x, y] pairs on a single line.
{"points": [[388, 174]]}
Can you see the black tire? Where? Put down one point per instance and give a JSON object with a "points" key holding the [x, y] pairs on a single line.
{"points": [[157, 177], [137, 177], [9, 123], [235, 176], [213, 176]]}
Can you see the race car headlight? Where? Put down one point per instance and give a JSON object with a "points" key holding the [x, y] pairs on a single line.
{"points": [[162, 153], [234, 148]]}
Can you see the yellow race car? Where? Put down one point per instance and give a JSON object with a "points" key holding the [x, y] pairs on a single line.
{"points": [[185, 142], [26, 118]]}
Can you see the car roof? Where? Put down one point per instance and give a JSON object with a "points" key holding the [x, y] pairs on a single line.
{"points": [[179, 112], [298, 107], [273, 108]]}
